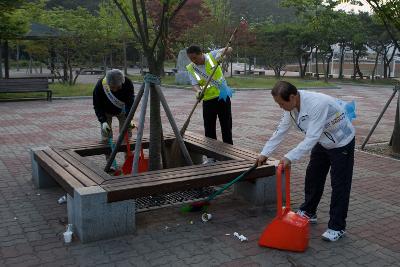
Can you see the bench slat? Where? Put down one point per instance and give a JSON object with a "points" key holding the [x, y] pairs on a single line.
{"points": [[173, 172], [134, 181], [86, 181], [141, 190], [62, 177], [207, 170], [90, 165], [83, 168], [226, 147]]}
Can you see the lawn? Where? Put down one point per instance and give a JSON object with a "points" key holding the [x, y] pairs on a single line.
{"points": [[235, 82], [251, 82]]}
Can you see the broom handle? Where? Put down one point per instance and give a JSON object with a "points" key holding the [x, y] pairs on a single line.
{"points": [[128, 146], [139, 135], [287, 188], [186, 124], [129, 117], [218, 192], [279, 190]]}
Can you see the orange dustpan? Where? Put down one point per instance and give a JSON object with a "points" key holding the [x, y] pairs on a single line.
{"points": [[143, 162], [288, 230]]}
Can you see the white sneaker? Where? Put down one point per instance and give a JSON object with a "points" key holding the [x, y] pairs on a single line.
{"points": [[332, 235], [311, 218]]}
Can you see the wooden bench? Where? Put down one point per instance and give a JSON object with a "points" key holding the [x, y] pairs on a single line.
{"points": [[169, 73], [23, 85], [92, 71], [260, 72], [319, 74], [112, 198], [308, 74]]}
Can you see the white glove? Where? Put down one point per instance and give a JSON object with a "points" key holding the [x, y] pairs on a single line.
{"points": [[105, 129]]}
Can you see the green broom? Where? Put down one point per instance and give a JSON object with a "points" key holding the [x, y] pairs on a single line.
{"points": [[203, 205]]}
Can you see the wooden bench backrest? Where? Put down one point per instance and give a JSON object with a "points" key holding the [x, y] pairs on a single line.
{"points": [[10, 85]]}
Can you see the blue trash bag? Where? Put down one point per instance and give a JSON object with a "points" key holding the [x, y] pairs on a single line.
{"points": [[349, 108], [224, 91]]}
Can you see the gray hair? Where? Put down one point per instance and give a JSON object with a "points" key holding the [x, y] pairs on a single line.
{"points": [[115, 77]]}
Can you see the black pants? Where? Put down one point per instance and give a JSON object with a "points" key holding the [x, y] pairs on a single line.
{"points": [[340, 161], [213, 108]]}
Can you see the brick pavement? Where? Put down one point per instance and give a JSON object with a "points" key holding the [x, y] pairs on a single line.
{"points": [[31, 221]]}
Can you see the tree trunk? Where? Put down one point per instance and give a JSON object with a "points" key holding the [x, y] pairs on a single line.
{"points": [[354, 65], [1, 60], [71, 74], [375, 65], [384, 63], [342, 48], [17, 56], [6, 61], [396, 130], [325, 70], [316, 63], [358, 70], [125, 63], [155, 118], [301, 73]]}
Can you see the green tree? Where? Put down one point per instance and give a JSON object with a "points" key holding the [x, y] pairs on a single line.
{"points": [[12, 25], [274, 44], [389, 13], [153, 35]]}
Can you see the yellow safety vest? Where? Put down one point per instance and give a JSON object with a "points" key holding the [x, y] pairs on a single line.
{"points": [[212, 90]]}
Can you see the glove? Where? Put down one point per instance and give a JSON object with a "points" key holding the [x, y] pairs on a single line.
{"points": [[131, 125], [105, 129]]}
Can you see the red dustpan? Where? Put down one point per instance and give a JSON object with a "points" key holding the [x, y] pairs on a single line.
{"points": [[143, 162], [288, 230]]}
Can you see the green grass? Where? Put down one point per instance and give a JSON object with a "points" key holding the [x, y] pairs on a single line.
{"points": [[368, 82], [241, 82], [251, 82], [74, 90]]}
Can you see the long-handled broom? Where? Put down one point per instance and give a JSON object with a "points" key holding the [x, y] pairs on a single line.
{"points": [[203, 205], [175, 149]]}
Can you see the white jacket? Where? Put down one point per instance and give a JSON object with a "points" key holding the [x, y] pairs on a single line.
{"points": [[322, 120]]}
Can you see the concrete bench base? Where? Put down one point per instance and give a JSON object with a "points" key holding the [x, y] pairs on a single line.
{"points": [[95, 219], [261, 192]]}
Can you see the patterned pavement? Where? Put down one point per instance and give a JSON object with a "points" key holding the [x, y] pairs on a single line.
{"points": [[31, 220]]}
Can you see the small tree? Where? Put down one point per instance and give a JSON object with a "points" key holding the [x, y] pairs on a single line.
{"points": [[153, 35], [273, 41], [12, 24], [389, 12]]}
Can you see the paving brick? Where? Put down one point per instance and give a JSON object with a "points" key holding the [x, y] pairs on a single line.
{"points": [[33, 238]]}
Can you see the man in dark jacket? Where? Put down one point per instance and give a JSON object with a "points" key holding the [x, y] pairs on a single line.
{"points": [[113, 96]]}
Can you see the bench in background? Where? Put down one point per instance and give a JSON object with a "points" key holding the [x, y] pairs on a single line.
{"points": [[26, 85]]}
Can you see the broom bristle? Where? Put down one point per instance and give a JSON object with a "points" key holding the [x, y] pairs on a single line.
{"points": [[196, 206]]}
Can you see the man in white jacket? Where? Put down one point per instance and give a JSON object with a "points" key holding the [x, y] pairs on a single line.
{"points": [[329, 135]]}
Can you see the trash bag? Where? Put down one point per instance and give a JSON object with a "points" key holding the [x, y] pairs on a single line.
{"points": [[349, 108], [224, 91]]}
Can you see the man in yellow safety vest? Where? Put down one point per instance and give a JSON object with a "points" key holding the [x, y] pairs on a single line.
{"points": [[216, 98]]}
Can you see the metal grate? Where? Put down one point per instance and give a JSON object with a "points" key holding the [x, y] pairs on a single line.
{"points": [[170, 199], [163, 200]]}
